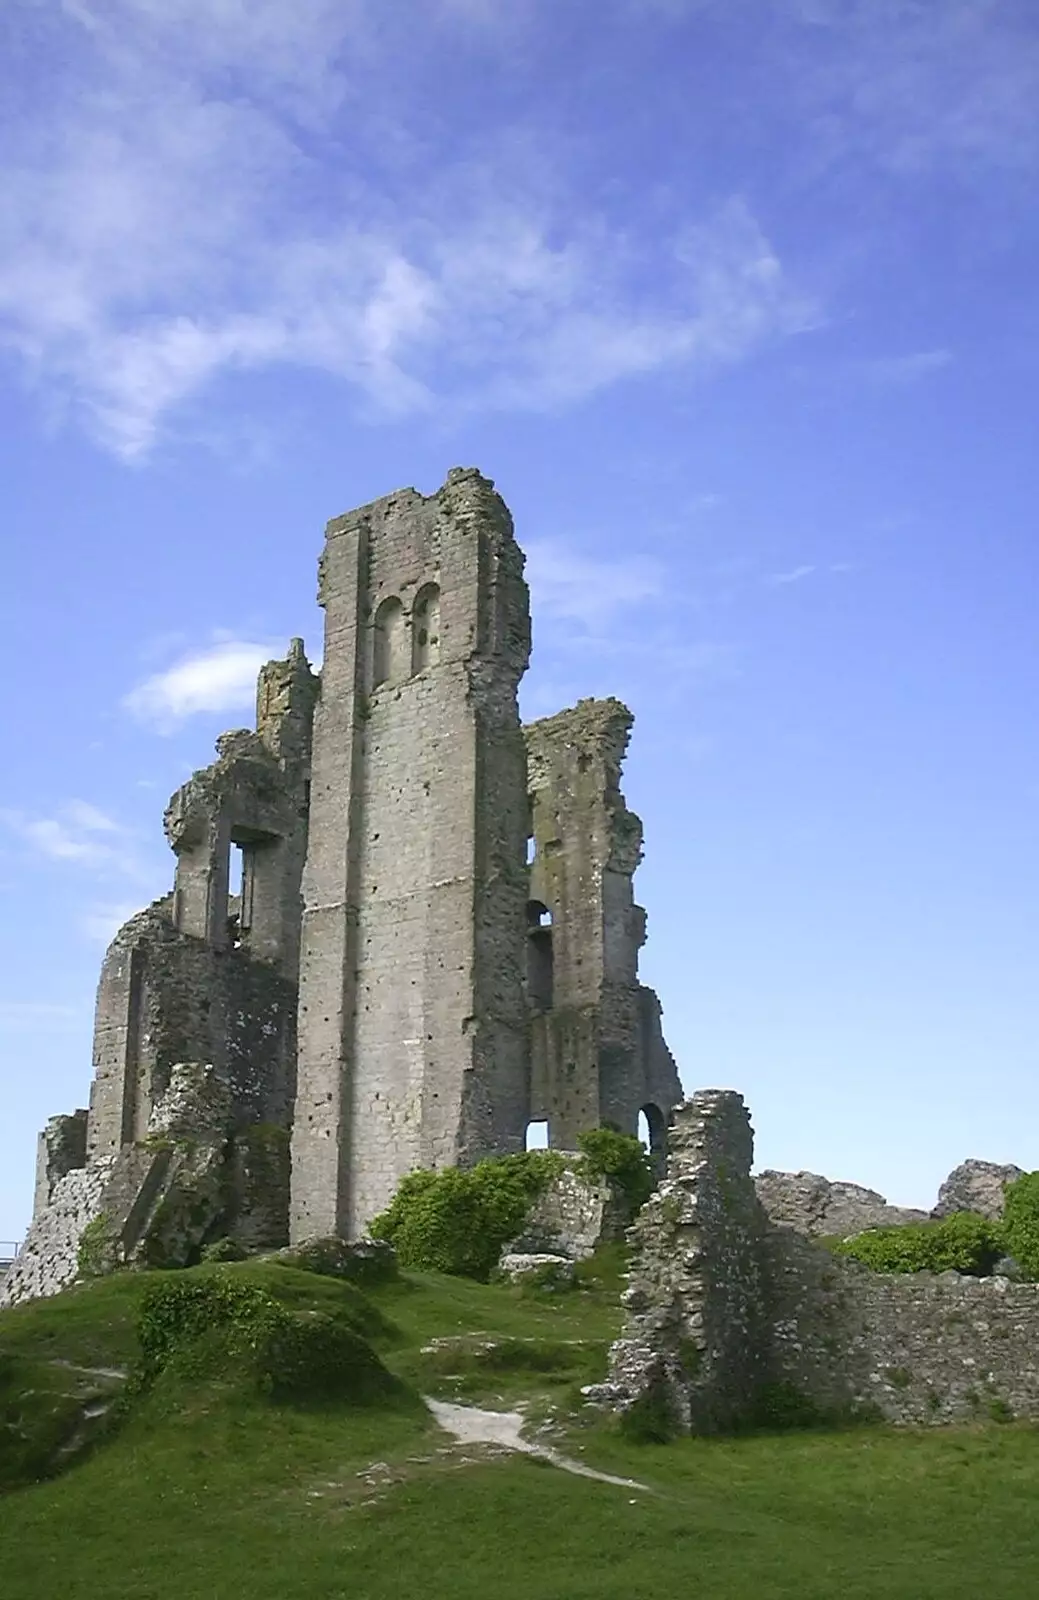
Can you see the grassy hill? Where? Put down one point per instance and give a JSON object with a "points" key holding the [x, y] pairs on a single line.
{"points": [[201, 1487]]}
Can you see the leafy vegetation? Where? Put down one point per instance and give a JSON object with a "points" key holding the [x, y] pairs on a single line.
{"points": [[620, 1158], [962, 1242], [457, 1220], [96, 1255], [1021, 1223]]}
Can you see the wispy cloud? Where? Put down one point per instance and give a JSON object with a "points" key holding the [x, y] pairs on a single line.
{"points": [[158, 231], [570, 586], [102, 921], [76, 832], [907, 369], [41, 1016], [794, 575], [218, 677]]}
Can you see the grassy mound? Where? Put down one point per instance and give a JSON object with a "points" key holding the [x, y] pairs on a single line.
{"points": [[212, 1485]]}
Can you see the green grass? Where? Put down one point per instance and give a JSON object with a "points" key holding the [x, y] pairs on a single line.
{"points": [[206, 1493]]}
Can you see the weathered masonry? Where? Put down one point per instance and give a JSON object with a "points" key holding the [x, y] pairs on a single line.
{"points": [[412, 1021], [728, 1310], [431, 939]]}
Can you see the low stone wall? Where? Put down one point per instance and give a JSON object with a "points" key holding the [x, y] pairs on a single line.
{"points": [[728, 1310], [914, 1347], [572, 1216], [47, 1261]]}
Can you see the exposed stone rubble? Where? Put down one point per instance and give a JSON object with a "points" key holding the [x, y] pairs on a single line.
{"points": [[726, 1307], [572, 1216], [975, 1186], [396, 983], [817, 1205], [542, 1269]]}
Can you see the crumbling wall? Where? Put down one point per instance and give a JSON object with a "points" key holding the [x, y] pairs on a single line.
{"points": [[412, 1028], [597, 1049], [816, 1205], [696, 1338], [60, 1149], [187, 1001], [201, 975], [572, 1216], [727, 1310]]}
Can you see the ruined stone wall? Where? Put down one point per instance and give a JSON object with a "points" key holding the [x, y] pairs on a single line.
{"points": [[726, 1309], [412, 1046], [167, 997], [61, 1148], [202, 975], [598, 1052], [816, 1205]]}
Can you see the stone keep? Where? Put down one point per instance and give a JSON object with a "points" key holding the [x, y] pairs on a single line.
{"points": [[435, 940], [412, 1020]]}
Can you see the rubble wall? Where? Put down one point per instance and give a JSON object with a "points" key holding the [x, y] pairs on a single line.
{"points": [[728, 1310]]}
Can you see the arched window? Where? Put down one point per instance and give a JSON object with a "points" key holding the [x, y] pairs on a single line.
{"points": [[540, 964], [538, 915], [390, 664], [653, 1131], [425, 628]]}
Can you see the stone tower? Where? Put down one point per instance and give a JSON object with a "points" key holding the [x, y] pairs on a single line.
{"points": [[412, 1022]]}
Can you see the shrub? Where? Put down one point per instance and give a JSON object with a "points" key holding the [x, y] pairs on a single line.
{"points": [[962, 1242], [97, 1253], [213, 1322], [224, 1250], [1021, 1222], [457, 1220], [621, 1159]]}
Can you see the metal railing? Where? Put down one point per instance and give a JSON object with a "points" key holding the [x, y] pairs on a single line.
{"points": [[10, 1249]]}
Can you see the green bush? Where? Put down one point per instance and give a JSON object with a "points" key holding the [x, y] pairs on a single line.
{"points": [[97, 1254], [1021, 1223], [962, 1242], [457, 1220], [213, 1322], [223, 1250], [621, 1159]]}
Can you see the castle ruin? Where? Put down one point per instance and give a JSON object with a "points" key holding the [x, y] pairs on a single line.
{"points": [[432, 939]]}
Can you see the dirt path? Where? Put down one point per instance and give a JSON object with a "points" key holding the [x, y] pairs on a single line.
{"points": [[471, 1425]]}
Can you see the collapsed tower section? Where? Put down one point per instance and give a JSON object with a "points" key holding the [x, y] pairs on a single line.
{"points": [[412, 1019], [598, 1054]]}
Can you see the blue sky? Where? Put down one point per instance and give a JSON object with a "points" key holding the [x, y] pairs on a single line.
{"points": [[736, 301]]}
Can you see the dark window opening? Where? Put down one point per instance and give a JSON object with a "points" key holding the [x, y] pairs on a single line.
{"points": [[538, 915]]}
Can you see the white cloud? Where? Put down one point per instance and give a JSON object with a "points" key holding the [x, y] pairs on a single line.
{"points": [[572, 587], [71, 835], [87, 817], [80, 833], [795, 575], [221, 677], [166, 221], [102, 921], [907, 369]]}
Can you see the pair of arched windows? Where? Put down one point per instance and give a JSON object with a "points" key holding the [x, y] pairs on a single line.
{"points": [[406, 644]]}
